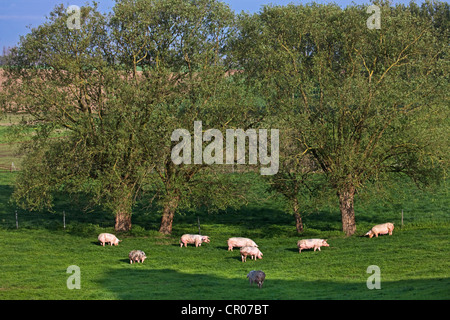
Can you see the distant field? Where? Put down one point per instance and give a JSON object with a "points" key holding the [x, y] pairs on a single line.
{"points": [[414, 261], [9, 143], [8, 155]]}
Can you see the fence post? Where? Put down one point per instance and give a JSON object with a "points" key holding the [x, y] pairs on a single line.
{"points": [[17, 221], [402, 218], [64, 219]]}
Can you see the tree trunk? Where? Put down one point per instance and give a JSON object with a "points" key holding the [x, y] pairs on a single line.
{"points": [[298, 217], [346, 201], [123, 220], [123, 213], [167, 216]]}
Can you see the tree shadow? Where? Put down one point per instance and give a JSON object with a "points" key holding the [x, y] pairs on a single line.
{"points": [[169, 284], [262, 222], [238, 257], [292, 249], [65, 212]]}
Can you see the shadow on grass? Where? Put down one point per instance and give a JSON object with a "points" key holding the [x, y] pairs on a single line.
{"points": [[139, 282], [237, 258], [292, 249], [263, 220], [259, 222], [77, 220]]}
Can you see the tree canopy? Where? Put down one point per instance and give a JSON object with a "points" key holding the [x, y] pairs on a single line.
{"points": [[363, 102], [354, 105]]}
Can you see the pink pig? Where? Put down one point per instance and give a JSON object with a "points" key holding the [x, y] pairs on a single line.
{"points": [[108, 237], [311, 243], [193, 238], [253, 252], [384, 228], [240, 242]]}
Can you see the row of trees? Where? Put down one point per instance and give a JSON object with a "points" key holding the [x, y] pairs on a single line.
{"points": [[353, 105]]}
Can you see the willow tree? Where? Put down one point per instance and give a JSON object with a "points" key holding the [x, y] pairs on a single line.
{"points": [[182, 44], [64, 79], [107, 97], [173, 53], [364, 103]]}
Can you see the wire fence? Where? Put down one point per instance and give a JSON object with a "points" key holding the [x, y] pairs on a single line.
{"points": [[11, 168]]}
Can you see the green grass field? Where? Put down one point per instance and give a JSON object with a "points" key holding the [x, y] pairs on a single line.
{"points": [[414, 262]]}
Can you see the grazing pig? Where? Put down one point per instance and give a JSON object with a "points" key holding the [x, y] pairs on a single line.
{"points": [[253, 252], [108, 237], [256, 276], [384, 228], [193, 238], [137, 256], [240, 242], [311, 243]]}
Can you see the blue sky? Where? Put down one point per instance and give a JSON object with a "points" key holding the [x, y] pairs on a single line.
{"points": [[16, 15]]}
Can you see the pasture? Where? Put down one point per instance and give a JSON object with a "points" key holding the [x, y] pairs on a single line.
{"points": [[414, 261], [101, 104]]}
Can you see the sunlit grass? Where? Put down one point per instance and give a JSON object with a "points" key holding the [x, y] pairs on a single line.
{"points": [[413, 261]]}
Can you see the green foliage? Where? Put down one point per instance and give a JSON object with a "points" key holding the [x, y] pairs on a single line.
{"points": [[364, 103], [359, 112], [354, 105], [117, 122]]}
